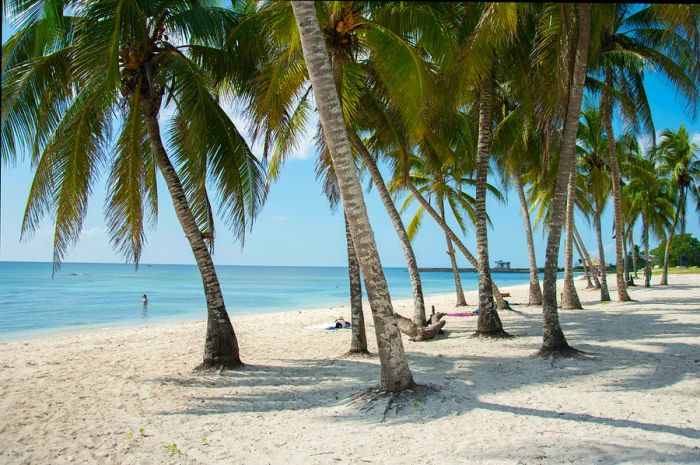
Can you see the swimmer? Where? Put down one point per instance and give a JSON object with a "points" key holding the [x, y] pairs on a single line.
{"points": [[144, 300]]}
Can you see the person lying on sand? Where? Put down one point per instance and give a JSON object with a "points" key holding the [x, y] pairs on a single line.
{"points": [[340, 323]]}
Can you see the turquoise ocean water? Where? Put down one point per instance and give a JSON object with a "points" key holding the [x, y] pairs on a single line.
{"points": [[91, 294]]}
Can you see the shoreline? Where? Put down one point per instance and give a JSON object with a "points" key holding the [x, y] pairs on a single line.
{"points": [[72, 331], [127, 396]]}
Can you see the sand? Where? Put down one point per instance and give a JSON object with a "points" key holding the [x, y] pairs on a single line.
{"points": [[127, 395]]}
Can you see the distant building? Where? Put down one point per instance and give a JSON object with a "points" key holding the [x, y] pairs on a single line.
{"points": [[502, 265]]}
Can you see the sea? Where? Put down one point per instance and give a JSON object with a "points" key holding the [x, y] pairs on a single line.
{"points": [[96, 295]]}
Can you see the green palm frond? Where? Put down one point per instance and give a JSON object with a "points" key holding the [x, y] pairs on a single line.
{"points": [[205, 127], [132, 194]]}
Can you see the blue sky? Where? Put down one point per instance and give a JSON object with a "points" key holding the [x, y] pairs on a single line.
{"points": [[296, 226]]}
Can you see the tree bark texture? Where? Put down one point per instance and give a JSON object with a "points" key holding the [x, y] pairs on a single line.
{"points": [[604, 292], [535, 295], [667, 249], [395, 372], [221, 346], [607, 102], [411, 262], [553, 339], [647, 262], [358, 338], [461, 301], [489, 323], [570, 298]]}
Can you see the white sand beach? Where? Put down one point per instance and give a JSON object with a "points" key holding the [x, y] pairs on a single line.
{"points": [[122, 396]]}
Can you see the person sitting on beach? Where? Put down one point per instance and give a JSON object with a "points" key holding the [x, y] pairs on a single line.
{"points": [[144, 300], [340, 323]]}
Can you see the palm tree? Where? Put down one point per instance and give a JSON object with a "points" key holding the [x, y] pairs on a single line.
{"points": [[435, 184], [569, 299], [66, 76], [444, 183], [358, 335], [652, 197], [680, 158], [661, 36], [372, 52], [554, 341], [595, 174], [395, 372]]}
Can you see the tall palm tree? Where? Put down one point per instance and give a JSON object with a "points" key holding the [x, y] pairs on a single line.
{"points": [[665, 37], [680, 159], [395, 372], [369, 48], [652, 197], [554, 341], [358, 335], [596, 176], [68, 73]]}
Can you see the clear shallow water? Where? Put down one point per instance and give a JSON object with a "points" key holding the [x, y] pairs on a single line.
{"points": [[94, 294]]}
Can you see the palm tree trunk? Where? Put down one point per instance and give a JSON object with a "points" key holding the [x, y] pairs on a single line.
{"points": [[395, 372], [411, 262], [628, 277], [667, 249], [635, 255], [535, 296], [455, 240], [584, 263], [489, 323], [570, 298], [221, 346], [587, 257], [358, 340], [604, 292], [553, 339], [647, 261], [461, 301], [622, 294]]}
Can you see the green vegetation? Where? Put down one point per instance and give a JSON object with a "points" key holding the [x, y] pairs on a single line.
{"points": [[681, 244]]}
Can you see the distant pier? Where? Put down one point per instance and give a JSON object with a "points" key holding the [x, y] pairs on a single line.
{"points": [[473, 270]]}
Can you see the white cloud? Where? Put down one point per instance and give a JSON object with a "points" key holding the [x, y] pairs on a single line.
{"points": [[695, 138]]}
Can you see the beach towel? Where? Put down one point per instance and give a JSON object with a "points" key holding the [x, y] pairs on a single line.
{"points": [[475, 312]]}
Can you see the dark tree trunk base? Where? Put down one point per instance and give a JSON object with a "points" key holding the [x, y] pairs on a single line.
{"points": [[565, 351], [495, 334], [357, 353], [399, 401], [214, 366]]}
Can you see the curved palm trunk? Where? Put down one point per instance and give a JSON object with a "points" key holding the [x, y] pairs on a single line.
{"points": [[221, 345], [604, 292], [461, 302], [587, 257], [395, 372], [667, 249], [535, 295], [553, 339], [647, 262], [489, 323], [411, 262], [358, 339], [586, 268], [455, 240], [570, 298], [622, 294]]}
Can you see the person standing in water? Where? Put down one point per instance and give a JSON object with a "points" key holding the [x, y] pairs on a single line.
{"points": [[145, 300]]}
